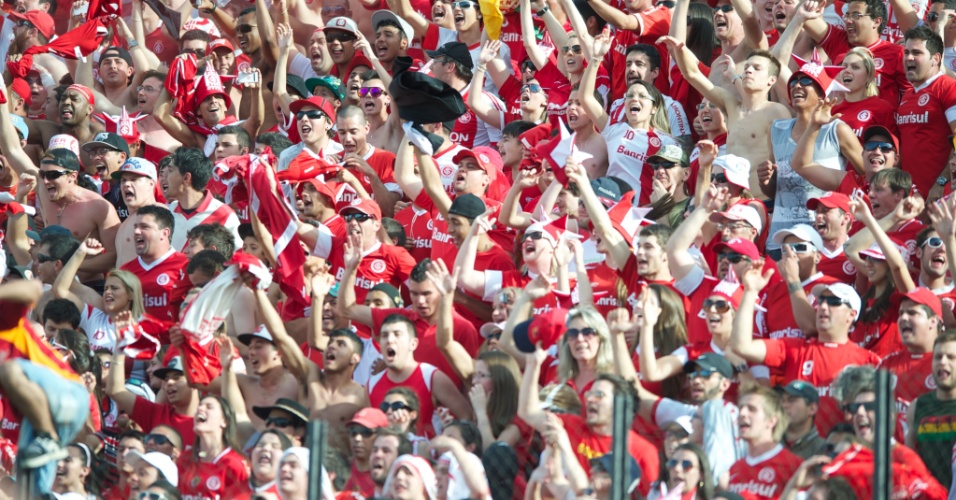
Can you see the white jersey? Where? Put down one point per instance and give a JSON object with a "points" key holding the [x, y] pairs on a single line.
{"points": [[676, 116], [628, 149]]}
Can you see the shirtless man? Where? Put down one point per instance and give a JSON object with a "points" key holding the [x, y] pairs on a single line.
{"points": [[76, 110], [749, 117], [138, 187], [269, 379], [89, 214], [121, 72], [38, 30], [152, 132]]}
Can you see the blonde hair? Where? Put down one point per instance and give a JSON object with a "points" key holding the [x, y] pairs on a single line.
{"points": [[659, 120], [867, 58], [772, 406], [133, 287], [604, 361]]}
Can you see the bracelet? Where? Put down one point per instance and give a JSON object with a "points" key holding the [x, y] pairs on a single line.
{"points": [[544, 10], [132, 43], [735, 78], [480, 68], [793, 287]]}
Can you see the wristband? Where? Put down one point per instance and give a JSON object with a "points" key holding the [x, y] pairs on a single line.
{"points": [[793, 287], [132, 43], [735, 78], [480, 68], [544, 10]]}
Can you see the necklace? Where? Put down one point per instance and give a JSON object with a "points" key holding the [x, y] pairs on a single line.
{"points": [[62, 208]]}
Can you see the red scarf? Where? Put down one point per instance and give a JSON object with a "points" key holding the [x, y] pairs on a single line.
{"points": [[75, 44]]}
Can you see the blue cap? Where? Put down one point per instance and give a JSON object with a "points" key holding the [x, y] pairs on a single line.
{"points": [[607, 190], [37, 236], [21, 125], [334, 291], [633, 470]]}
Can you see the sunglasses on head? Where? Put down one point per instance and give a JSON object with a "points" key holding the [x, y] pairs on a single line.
{"points": [[567, 49], [280, 422], [721, 306], [357, 217], [933, 242], [464, 4], [157, 439], [312, 114], [534, 88], [723, 8], [855, 407], [732, 257], [573, 333], [804, 81], [52, 175], [684, 464], [833, 301], [884, 147], [393, 406], [340, 37], [372, 91], [720, 178], [799, 247], [245, 28], [357, 430]]}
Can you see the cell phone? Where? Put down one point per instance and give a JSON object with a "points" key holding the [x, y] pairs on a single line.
{"points": [[82, 9], [247, 77]]}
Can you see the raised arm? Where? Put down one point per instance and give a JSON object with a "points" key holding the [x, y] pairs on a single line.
{"points": [[116, 381], [322, 283], [231, 391], [348, 308], [802, 161], [529, 406], [943, 216], [16, 236], [431, 181], [65, 285], [141, 62], [453, 351], [619, 322], [476, 100], [618, 249], [803, 311], [405, 175], [172, 125], [253, 92], [405, 10], [594, 109], [814, 24], [267, 35], [754, 37], [510, 214], [292, 355], [742, 340], [614, 16], [279, 90], [679, 259], [898, 267], [447, 394], [688, 64], [470, 279], [10, 144], [654, 369], [909, 208]]}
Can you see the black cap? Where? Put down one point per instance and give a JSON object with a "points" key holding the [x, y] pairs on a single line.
{"points": [[21, 272], [468, 206], [711, 361], [119, 52], [456, 51], [801, 389], [606, 188], [62, 157], [284, 404], [175, 365], [604, 463], [294, 85], [393, 294], [107, 140], [37, 236]]}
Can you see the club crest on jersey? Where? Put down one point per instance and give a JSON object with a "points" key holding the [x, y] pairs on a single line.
{"points": [[878, 63], [465, 118], [213, 483], [767, 475], [655, 142], [923, 100], [863, 116], [930, 382], [430, 225], [158, 47], [162, 280], [447, 171], [849, 268], [378, 266]]}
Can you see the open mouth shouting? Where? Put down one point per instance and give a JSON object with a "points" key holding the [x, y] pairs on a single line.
{"points": [[459, 18], [129, 194]]}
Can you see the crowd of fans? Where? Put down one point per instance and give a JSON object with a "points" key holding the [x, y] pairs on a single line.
{"points": [[459, 232]]}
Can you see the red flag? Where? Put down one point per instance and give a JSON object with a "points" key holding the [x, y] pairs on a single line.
{"points": [[104, 9], [75, 44], [141, 340], [18, 340]]}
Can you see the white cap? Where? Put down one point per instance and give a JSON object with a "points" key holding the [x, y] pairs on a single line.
{"points": [[342, 23], [64, 141], [736, 168], [803, 231], [161, 461], [847, 293], [740, 211], [261, 332], [383, 15], [138, 166], [491, 328]]}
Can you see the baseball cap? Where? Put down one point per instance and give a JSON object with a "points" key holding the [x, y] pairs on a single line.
{"points": [[736, 168], [333, 83], [847, 293], [175, 364], [319, 102], [296, 85], [387, 15], [364, 206], [37, 236], [38, 19], [606, 190], [21, 125], [881, 130], [107, 140], [65, 141], [116, 51], [546, 329], [23, 272], [711, 361], [455, 51], [393, 294], [606, 463], [483, 161], [370, 418], [62, 157], [831, 199], [260, 333], [739, 245], [342, 23], [223, 43], [926, 297], [138, 166], [285, 404], [490, 328], [468, 206], [20, 87], [161, 461], [671, 152], [874, 251], [802, 389], [803, 231], [741, 212]]}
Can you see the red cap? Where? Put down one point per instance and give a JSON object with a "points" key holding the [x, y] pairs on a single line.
{"points": [[299, 171], [324, 188], [319, 102], [364, 206], [824, 76], [358, 59], [731, 290], [546, 329], [221, 43], [531, 137], [21, 88], [210, 84], [924, 296], [831, 200], [39, 19], [370, 418], [483, 160], [739, 245]]}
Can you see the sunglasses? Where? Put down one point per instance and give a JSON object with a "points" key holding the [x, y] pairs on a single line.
{"points": [[42, 259], [933, 242], [312, 114], [393, 406], [534, 236], [702, 373], [799, 248], [684, 464], [884, 147], [723, 8], [567, 49], [340, 37], [534, 88], [721, 306], [245, 28], [574, 333], [657, 165], [465, 4], [855, 407], [52, 175], [372, 91], [733, 257], [804, 81], [357, 217], [720, 178], [596, 394], [157, 439], [494, 336], [149, 495], [281, 422], [833, 301], [199, 53], [23, 22], [360, 431]]}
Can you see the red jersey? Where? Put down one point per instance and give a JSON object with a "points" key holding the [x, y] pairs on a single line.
{"points": [[764, 476], [225, 477], [813, 361], [470, 131], [881, 336], [494, 259], [926, 116], [149, 415], [164, 46], [887, 57], [914, 377], [465, 334], [604, 288], [589, 444], [419, 382], [379, 264], [910, 477], [652, 23], [510, 94], [418, 231], [164, 283], [780, 321], [495, 281], [361, 482], [867, 113], [835, 264], [383, 163], [271, 488]]}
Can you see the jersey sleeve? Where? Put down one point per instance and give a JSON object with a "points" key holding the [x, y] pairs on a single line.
{"points": [[144, 412], [403, 262], [947, 99], [667, 410], [324, 242], [653, 23], [835, 42], [776, 352], [493, 285]]}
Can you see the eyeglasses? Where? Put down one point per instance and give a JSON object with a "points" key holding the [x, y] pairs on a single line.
{"points": [[245, 28], [312, 114], [147, 89], [723, 8], [534, 236], [357, 217], [372, 91], [855, 407], [933, 242], [721, 306], [393, 406], [884, 147], [52, 175], [149, 495], [360, 431], [281, 422], [567, 49], [684, 464], [534, 88], [657, 165], [799, 247], [573, 333], [157, 439], [733, 257], [804, 81], [102, 151], [465, 4], [42, 259], [720, 178], [709, 105], [854, 16], [340, 37], [733, 226], [595, 394], [833, 301], [494, 336]]}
